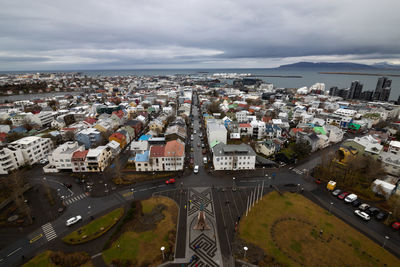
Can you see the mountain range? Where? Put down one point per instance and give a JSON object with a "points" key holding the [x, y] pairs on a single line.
{"points": [[338, 65]]}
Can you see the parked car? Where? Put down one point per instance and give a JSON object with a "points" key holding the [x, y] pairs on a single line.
{"points": [[364, 206], [194, 132], [196, 169], [396, 225], [318, 181], [343, 195], [381, 216], [204, 151], [350, 198], [67, 185], [73, 220], [373, 211], [203, 146], [356, 203], [336, 192], [198, 145], [363, 215], [170, 181], [205, 160]]}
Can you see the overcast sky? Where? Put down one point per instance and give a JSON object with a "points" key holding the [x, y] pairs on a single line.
{"points": [[126, 34]]}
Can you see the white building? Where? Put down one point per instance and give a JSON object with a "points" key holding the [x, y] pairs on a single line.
{"points": [[61, 157], [216, 132], [10, 159], [346, 112], [394, 147], [234, 157], [43, 118], [33, 148], [97, 159], [241, 116]]}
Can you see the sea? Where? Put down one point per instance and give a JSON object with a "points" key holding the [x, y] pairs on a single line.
{"points": [[306, 77]]}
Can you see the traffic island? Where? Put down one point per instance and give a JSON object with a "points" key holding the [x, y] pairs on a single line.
{"points": [[139, 241], [95, 228], [291, 230]]}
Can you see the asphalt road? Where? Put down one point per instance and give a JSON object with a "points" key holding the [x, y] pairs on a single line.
{"points": [[229, 204]]}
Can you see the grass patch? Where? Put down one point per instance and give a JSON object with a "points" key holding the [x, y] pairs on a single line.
{"points": [[95, 228], [142, 248], [40, 260], [297, 240]]}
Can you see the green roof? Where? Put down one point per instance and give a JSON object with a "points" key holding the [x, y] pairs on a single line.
{"points": [[213, 144], [319, 130], [354, 126]]}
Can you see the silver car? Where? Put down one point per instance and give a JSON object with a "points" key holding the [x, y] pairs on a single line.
{"points": [[362, 214]]}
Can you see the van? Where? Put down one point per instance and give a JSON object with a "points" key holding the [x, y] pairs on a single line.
{"points": [[350, 198], [196, 169], [205, 160]]}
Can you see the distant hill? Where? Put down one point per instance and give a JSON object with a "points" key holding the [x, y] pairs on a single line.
{"points": [[327, 65]]}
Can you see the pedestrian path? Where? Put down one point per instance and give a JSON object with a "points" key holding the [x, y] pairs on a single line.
{"points": [[49, 231], [73, 199]]}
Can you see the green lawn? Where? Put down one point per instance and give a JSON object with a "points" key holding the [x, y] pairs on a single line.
{"points": [[288, 228], [40, 260], [143, 248], [95, 228]]}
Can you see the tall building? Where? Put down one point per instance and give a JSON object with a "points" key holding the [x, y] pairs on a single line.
{"points": [[383, 88], [355, 90]]}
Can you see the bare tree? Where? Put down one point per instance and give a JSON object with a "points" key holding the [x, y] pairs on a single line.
{"points": [[16, 184]]}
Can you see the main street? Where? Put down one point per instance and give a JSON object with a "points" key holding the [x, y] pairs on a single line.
{"points": [[224, 198]]}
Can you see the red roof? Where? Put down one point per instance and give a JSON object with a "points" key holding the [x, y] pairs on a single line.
{"points": [[119, 113], [118, 135], [79, 154], [3, 137], [91, 120], [244, 125], [174, 149], [295, 130], [68, 129], [157, 151]]}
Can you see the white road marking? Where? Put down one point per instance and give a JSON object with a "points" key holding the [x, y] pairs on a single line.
{"points": [[14, 251]]}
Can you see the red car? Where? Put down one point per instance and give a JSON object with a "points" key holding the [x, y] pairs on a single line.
{"points": [[396, 225], [318, 181], [170, 181], [343, 195]]}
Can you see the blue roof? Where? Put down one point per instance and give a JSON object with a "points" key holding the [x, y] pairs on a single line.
{"points": [[145, 137], [19, 129], [142, 157]]}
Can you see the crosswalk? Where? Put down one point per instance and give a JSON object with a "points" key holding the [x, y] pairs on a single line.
{"points": [[49, 231], [297, 171], [73, 199]]}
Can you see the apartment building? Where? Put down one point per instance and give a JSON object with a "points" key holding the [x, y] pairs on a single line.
{"points": [[79, 161], [61, 157], [97, 159], [233, 157], [216, 132], [10, 159], [33, 148]]}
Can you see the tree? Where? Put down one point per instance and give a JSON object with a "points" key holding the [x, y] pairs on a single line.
{"points": [[16, 186], [302, 149], [214, 107], [397, 136], [170, 119], [69, 136], [11, 137]]}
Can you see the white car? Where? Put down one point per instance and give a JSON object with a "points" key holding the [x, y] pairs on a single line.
{"points": [[194, 132], [205, 160], [196, 169], [73, 220], [350, 198], [362, 214]]}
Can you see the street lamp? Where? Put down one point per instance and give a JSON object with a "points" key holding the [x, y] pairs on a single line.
{"points": [[162, 251], [89, 209], [234, 185], [298, 187], [384, 242], [245, 250], [330, 207], [269, 182]]}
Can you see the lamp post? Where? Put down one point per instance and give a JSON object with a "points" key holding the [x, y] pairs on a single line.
{"points": [[245, 250], [330, 207], [384, 242], [162, 251], [298, 187], [89, 210]]}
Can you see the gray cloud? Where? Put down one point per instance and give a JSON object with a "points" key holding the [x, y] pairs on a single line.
{"points": [[121, 33]]}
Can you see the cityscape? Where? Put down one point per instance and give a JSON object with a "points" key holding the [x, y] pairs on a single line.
{"points": [[199, 134]]}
